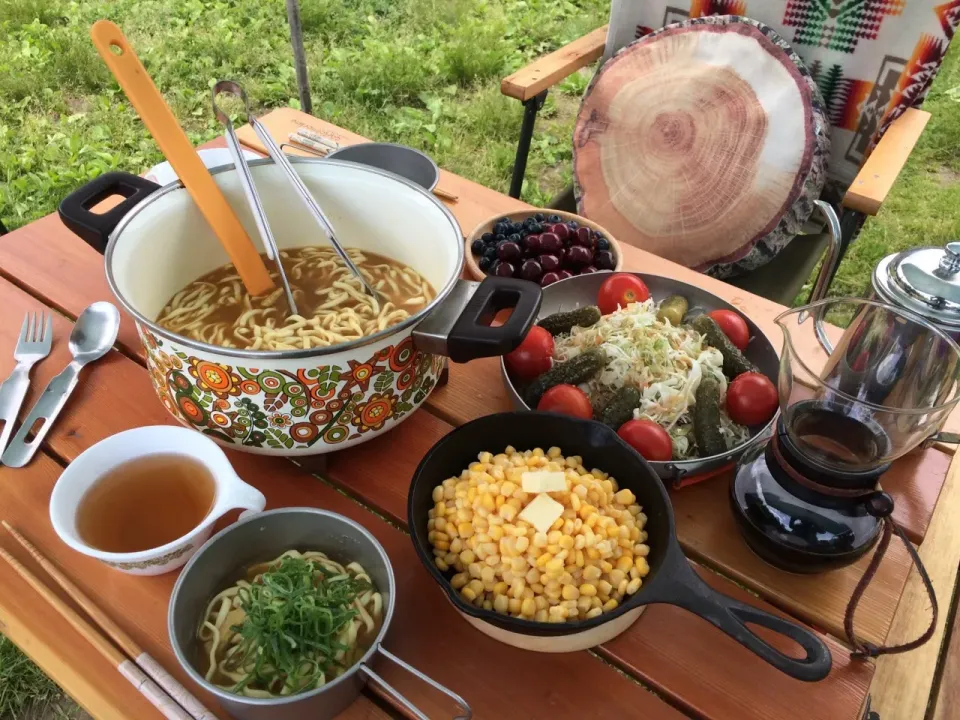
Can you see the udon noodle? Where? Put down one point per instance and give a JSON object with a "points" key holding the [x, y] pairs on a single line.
{"points": [[333, 306], [296, 623]]}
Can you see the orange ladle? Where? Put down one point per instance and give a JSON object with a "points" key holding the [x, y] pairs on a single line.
{"points": [[180, 153]]}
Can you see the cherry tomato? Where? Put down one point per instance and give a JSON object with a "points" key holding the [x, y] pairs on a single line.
{"points": [[533, 357], [751, 399], [568, 400], [648, 439], [619, 290], [733, 326]]}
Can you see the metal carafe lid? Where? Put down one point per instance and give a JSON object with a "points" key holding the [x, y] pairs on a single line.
{"points": [[925, 280]]}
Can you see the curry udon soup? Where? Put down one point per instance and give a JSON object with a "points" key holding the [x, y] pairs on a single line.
{"points": [[165, 246], [332, 303]]}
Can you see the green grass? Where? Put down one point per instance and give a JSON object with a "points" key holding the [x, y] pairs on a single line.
{"points": [[421, 72]]}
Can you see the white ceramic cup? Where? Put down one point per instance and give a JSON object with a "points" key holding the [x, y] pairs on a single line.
{"points": [[95, 462]]}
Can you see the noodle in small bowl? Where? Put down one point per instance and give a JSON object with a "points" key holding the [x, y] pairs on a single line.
{"points": [[293, 572], [249, 374]]}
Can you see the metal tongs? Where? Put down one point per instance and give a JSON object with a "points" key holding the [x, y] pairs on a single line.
{"points": [[276, 154]]}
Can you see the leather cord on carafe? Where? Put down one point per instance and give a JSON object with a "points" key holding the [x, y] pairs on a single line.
{"points": [[860, 648]]}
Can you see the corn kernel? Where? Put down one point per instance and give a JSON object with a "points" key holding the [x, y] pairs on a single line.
{"points": [[528, 607], [500, 588], [593, 612], [541, 616], [625, 562], [522, 544], [588, 590], [610, 605], [468, 594], [633, 586], [625, 497], [540, 540], [569, 592], [642, 566]]}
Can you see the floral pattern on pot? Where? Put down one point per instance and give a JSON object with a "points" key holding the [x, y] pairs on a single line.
{"points": [[284, 411]]}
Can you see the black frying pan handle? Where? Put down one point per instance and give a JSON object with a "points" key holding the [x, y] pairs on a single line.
{"points": [[95, 228], [691, 593]]}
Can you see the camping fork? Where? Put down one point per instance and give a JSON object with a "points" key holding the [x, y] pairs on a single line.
{"points": [[33, 345]]}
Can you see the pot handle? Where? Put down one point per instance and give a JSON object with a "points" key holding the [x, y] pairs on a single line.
{"points": [[395, 694], [95, 228], [691, 593], [459, 328]]}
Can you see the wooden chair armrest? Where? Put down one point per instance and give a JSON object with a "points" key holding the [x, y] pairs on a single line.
{"points": [[547, 71], [880, 171]]}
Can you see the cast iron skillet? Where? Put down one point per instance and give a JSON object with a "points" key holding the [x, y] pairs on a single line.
{"points": [[671, 579]]}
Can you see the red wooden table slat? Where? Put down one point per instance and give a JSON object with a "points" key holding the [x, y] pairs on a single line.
{"points": [[116, 394], [391, 460]]}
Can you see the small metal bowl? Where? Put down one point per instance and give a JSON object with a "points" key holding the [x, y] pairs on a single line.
{"points": [[265, 536], [582, 290], [400, 160]]}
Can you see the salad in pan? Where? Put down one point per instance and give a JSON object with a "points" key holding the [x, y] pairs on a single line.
{"points": [[674, 387]]}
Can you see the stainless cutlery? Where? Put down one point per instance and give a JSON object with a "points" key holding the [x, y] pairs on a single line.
{"points": [[93, 335], [33, 345]]}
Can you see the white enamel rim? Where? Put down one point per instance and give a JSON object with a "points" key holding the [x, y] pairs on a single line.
{"points": [[260, 355]]}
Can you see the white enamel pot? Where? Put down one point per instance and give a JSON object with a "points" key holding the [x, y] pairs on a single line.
{"points": [[300, 402]]}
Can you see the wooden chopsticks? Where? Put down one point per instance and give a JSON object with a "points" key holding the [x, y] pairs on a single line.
{"points": [[171, 698]]}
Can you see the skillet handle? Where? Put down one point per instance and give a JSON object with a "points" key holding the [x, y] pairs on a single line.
{"points": [[691, 593], [395, 694]]}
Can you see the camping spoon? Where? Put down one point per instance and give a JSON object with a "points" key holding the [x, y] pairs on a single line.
{"points": [[92, 337]]}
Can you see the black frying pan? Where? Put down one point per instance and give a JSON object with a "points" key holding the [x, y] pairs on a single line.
{"points": [[671, 579]]}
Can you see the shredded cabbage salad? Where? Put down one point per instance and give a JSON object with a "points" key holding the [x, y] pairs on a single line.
{"points": [[666, 363]]}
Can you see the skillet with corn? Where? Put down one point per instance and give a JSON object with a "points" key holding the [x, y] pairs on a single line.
{"points": [[589, 559]]}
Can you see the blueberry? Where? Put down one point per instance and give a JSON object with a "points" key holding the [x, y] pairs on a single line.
{"points": [[515, 237], [573, 224], [499, 237], [477, 246], [504, 219], [485, 263], [555, 219], [538, 217], [516, 227], [488, 237], [523, 233], [603, 243], [536, 228], [493, 267], [529, 221], [604, 260], [490, 251]]}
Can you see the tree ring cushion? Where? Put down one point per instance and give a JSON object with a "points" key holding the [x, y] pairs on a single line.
{"points": [[704, 143]]}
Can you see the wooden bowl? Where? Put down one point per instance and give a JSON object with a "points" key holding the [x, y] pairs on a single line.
{"points": [[487, 225]]}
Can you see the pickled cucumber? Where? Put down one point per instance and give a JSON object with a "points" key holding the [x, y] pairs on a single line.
{"points": [[673, 309], [734, 363], [706, 419], [620, 408], [574, 371], [562, 322]]}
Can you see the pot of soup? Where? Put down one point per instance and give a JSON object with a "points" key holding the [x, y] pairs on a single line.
{"points": [[243, 371]]}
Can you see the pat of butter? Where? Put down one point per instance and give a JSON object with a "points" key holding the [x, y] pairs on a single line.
{"points": [[542, 512], [544, 481]]}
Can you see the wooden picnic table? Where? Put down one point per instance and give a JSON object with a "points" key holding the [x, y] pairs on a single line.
{"points": [[669, 664]]}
